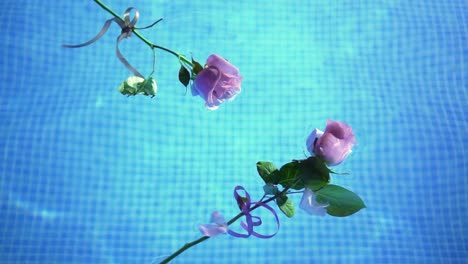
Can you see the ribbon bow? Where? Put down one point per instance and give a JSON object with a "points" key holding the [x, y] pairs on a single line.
{"points": [[246, 206], [127, 26]]}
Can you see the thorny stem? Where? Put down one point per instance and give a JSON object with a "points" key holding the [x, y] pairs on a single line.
{"points": [[234, 219], [150, 44]]}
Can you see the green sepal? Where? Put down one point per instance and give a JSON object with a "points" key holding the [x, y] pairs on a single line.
{"points": [[196, 68], [268, 172], [341, 202], [315, 173], [285, 205], [184, 76], [339, 173]]}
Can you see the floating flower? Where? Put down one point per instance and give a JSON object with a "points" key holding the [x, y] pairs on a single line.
{"points": [[310, 205], [219, 81], [216, 227], [333, 145]]}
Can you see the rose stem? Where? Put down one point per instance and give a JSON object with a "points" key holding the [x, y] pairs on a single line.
{"points": [[201, 239]]}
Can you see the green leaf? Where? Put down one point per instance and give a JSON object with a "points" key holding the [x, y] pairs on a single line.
{"points": [[184, 76], [314, 173], [289, 173], [285, 205], [196, 67], [342, 202], [268, 172]]}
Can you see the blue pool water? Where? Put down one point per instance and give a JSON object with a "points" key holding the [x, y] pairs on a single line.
{"points": [[88, 175]]}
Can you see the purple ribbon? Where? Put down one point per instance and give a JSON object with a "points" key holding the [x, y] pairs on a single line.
{"points": [[245, 206]]}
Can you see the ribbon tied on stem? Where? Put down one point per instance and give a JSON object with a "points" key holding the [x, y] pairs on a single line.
{"points": [[246, 206], [127, 26]]}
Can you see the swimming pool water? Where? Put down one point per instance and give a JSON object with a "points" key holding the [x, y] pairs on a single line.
{"points": [[90, 176]]}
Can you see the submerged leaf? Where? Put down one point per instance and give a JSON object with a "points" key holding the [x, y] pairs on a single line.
{"points": [[341, 202]]}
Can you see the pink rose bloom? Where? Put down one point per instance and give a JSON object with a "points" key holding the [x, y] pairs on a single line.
{"points": [[219, 81], [333, 145]]}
